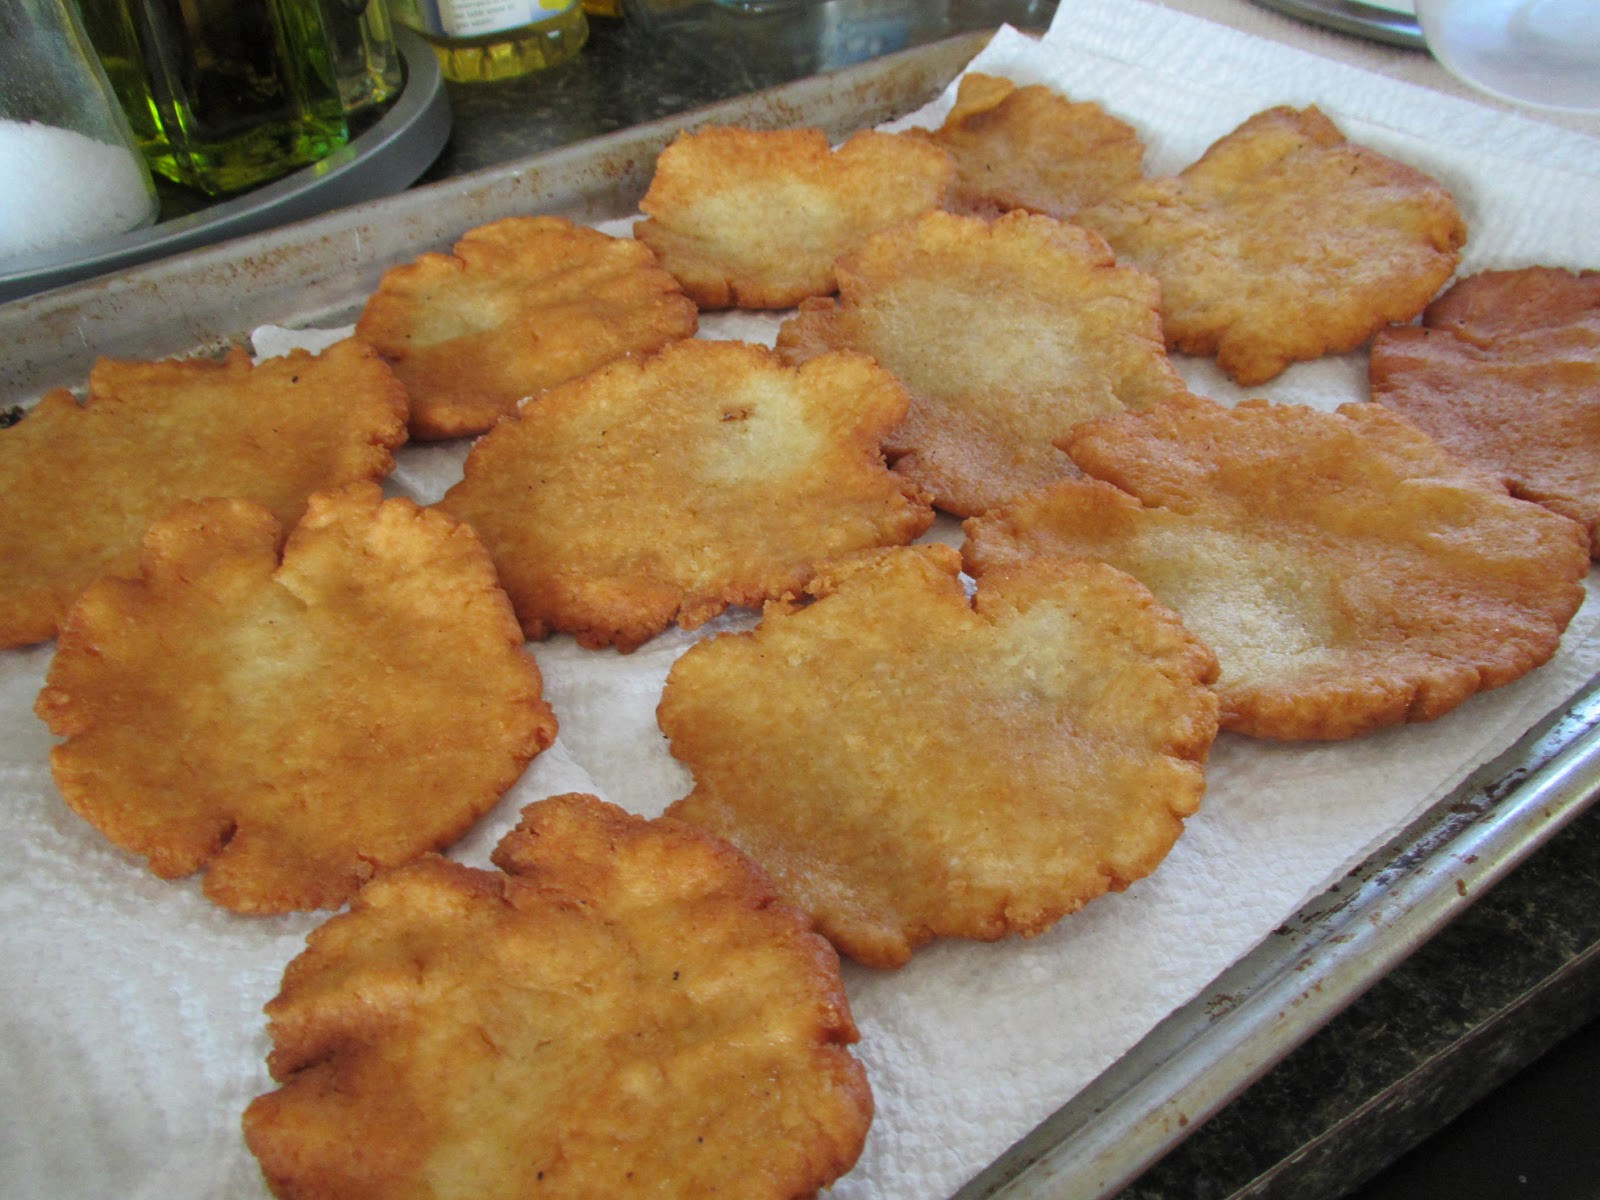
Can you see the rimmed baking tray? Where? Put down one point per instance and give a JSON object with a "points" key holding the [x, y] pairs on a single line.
{"points": [[1339, 944], [319, 272]]}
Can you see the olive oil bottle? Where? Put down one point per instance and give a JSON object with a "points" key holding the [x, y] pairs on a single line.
{"points": [[482, 40], [366, 61], [222, 94]]}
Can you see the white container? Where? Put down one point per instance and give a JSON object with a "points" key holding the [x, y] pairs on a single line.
{"points": [[69, 172], [1544, 53]]}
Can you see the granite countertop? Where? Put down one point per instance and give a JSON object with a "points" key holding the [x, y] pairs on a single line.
{"points": [[1519, 970], [651, 66]]}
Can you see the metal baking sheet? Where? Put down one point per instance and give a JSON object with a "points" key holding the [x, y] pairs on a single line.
{"points": [[1299, 978], [320, 271]]}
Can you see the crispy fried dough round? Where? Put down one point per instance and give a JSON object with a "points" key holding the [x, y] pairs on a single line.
{"points": [[521, 305], [748, 218], [1346, 571], [290, 724], [908, 765], [1032, 148], [1285, 242], [1492, 305], [1505, 372], [625, 1009], [80, 483], [1006, 334], [668, 488]]}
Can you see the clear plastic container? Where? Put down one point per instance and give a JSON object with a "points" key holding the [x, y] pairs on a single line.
{"points": [[71, 169], [1544, 53]]}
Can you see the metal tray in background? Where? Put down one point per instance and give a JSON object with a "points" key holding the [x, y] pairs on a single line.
{"points": [[319, 272], [1377, 22]]}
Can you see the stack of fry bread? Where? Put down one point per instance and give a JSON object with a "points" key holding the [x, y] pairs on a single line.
{"points": [[270, 675]]}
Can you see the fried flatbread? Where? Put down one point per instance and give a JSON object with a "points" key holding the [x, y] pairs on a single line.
{"points": [[1505, 372], [521, 305], [1032, 148], [1345, 570], [1528, 301], [80, 483], [908, 765], [1285, 242], [289, 724], [748, 218], [668, 488], [624, 1009], [1006, 334]]}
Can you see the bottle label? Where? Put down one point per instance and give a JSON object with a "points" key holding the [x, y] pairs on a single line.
{"points": [[473, 18]]}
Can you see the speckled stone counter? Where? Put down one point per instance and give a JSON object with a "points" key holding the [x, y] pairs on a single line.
{"points": [[1506, 981], [1502, 984], [638, 70]]}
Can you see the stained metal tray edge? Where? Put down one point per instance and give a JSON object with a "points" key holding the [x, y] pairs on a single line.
{"points": [[1371, 21], [318, 271], [1308, 970]]}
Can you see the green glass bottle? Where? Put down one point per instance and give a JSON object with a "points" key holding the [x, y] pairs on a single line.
{"points": [[366, 61], [222, 94]]}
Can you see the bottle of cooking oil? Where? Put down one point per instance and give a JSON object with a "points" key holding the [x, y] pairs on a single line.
{"points": [[222, 95], [366, 61], [481, 40]]}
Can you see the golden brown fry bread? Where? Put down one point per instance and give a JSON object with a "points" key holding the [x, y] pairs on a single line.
{"points": [[1006, 334], [1346, 571], [1505, 373], [291, 725], [749, 218], [909, 765], [1032, 148], [626, 1010], [1285, 242], [521, 305], [80, 483], [672, 487], [1493, 305]]}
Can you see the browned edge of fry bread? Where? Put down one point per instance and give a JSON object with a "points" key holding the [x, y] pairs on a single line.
{"points": [[81, 482], [671, 487], [1285, 242], [748, 218], [624, 1005], [1032, 148], [518, 306], [909, 764], [1505, 372], [1347, 572], [1006, 334]]}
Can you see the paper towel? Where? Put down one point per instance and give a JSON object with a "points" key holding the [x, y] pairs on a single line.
{"points": [[131, 1034]]}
